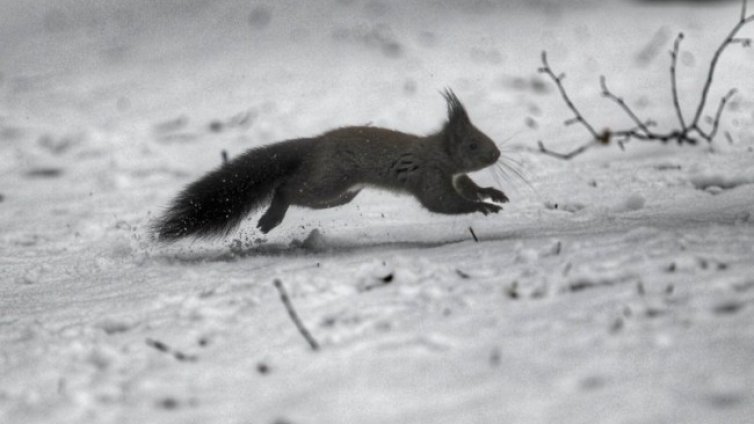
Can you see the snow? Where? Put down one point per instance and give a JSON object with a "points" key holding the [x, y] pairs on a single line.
{"points": [[615, 287], [632, 202]]}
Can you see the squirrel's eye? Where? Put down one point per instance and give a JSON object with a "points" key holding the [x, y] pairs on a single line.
{"points": [[473, 146]]}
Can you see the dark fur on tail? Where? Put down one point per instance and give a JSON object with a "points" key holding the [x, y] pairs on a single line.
{"points": [[216, 204]]}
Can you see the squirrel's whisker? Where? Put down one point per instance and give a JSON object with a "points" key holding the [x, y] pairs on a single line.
{"points": [[509, 138], [496, 177], [510, 171]]}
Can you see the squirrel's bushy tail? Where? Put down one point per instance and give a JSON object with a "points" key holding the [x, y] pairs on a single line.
{"points": [[218, 202]]}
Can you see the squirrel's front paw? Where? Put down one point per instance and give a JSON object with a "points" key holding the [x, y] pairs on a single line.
{"points": [[487, 208], [494, 194]]}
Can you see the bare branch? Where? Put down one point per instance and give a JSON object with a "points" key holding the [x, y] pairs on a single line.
{"points": [[673, 80], [632, 133], [746, 42], [743, 11], [545, 69], [607, 93], [716, 121], [568, 155], [688, 133], [713, 64], [294, 316]]}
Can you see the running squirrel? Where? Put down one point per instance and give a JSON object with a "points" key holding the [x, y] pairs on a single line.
{"points": [[331, 169]]}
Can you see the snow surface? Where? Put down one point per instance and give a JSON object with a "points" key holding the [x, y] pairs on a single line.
{"points": [[614, 288]]}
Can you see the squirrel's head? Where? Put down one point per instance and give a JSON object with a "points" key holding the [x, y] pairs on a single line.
{"points": [[469, 148]]}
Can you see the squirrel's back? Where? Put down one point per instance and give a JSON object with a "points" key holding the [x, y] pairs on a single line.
{"points": [[368, 154]]}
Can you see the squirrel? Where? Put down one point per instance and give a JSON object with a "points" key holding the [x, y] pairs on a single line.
{"points": [[331, 169]]}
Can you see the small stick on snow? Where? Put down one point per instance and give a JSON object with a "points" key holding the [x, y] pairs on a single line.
{"points": [[224, 155], [177, 354], [162, 347], [294, 316], [471, 230]]}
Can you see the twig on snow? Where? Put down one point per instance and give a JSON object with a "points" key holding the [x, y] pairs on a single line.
{"points": [[177, 354], [294, 316], [473, 234], [688, 132]]}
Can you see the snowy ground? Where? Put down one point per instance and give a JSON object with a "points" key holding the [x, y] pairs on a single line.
{"points": [[618, 287]]}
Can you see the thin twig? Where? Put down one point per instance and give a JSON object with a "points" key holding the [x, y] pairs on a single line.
{"points": [[575, 152], [713, 64], [743, 10], [715, 122], [609, 94], [745, 42], [673, 81], [558, 81], [294, 316], [688, 133]]}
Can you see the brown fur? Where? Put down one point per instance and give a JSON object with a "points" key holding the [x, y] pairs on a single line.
{"points": [[330, 170]]}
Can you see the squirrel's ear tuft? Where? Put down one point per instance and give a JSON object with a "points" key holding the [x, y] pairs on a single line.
{"points": [[458, 119]]}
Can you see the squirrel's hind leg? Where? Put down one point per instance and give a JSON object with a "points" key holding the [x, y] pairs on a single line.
{"points": [[275, 213]]}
